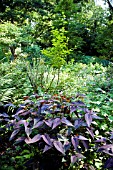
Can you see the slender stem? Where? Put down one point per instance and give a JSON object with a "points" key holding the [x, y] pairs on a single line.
{"points": [[51, 83], [58, 76]]}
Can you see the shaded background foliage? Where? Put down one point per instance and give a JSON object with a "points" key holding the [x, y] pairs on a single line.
{"points": [[88, 27]]}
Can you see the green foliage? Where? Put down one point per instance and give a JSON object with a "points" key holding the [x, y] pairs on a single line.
{"points": [[59, 50], [87, 28], [20, 79], [14, 83], [40, 75], [16, 40], [104, 42], [91, 59], [9, 34]]}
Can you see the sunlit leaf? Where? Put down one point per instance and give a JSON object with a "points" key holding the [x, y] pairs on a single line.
{"points": [[58, 145], [46, 148], [67, 122], [15, 132], [80, 137], [47, 139], [76, 157], [56, 122], [75, 142], [36, 138], [88, 118], [40, 123], [49, 122]]}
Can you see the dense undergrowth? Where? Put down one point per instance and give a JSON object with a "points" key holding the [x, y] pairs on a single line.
{"points": [[64, 115]]}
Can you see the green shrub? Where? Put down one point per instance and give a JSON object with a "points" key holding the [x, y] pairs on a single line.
{"points": [[14, 83]]}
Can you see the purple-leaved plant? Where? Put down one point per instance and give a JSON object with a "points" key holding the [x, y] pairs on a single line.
{"points": [[56, 123]]}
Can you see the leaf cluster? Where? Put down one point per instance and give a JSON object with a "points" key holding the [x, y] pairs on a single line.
{"points": [[57, 125]]}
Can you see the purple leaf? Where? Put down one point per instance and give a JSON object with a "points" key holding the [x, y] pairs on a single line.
{"points": [[109, 163], [20, 111], [85, 110], [20, 139], [60, 137], [75, 142], [47, 139], [28, 140], [25, 113], [90, 132], [67, 122], [102, 139], [36, 120], [14, 134], [78, 123], [80, 156], [107, 146], [108, 149], [111, 137], [16, 117], [34, 113], [88, 118], [49, 122], [67, 146], [28, 102], [56, 122], [94, 116], [24, 122], [42, 101], [36, 138], [28, 131], [69, 131], [38, 124], [46, 148], [108, 152], [45, 107], [74, 158], [58, 145], [4, 115], [73, 109], [6, 119], [78, 103], [80, 137], [85, 143]]}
